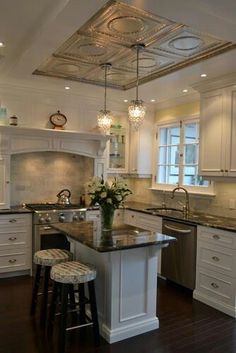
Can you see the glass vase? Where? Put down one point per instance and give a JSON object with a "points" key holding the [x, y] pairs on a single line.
{"points": [[107, 217]]}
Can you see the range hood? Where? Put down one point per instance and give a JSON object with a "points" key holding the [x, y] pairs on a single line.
{"points": [[22, 140]]}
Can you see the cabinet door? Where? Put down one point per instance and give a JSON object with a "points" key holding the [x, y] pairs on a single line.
{"points": [[140, 157], [118, 151], [230, 115], [212, 134], [4, 182]]}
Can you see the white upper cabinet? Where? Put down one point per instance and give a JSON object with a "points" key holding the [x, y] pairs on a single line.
{"points": [[140, 152], [218, 133], [118, 150]]}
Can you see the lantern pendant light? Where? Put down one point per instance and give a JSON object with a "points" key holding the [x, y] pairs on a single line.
{"points": [[104, 117], [137, 110]]}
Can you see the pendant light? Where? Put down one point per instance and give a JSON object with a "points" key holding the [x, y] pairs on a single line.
{"points": [[137, 109], [104, 117]]}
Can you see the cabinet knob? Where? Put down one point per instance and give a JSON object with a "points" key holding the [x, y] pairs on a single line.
{"points": [[132, 216], [216, 237], [7, 182], [12, 220], [12, 261], [222, 170], [226, 170], [214, 285], [12, 238], [215, 258]]}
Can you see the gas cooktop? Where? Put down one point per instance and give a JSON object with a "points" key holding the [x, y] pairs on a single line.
{"points": [[51, 206]]}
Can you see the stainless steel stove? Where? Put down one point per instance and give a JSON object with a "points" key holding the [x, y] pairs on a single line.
{"points": [[44, 216], [49, 213]]}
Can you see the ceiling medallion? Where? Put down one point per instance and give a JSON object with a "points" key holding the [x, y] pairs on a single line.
{"points": [[108, 36]]}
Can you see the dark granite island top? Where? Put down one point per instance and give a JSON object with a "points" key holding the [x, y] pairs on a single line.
{"points": [[121, 237]]}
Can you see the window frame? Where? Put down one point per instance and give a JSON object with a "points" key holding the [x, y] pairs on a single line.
{"points": [[194, 189]]}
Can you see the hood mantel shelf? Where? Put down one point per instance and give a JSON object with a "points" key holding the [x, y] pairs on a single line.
{"points": [[23, 139]]}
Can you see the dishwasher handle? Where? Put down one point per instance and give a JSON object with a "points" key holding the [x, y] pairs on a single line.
{"points": [[176, 229]]}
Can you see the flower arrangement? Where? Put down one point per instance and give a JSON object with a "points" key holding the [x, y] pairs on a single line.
{"points": [[107, 195]]}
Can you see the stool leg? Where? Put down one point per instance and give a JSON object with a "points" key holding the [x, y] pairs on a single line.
{"points": [[72, 303], [52, 310], [35, 290], [63, 319], [81, 302], [93, 306], [44, 303]]}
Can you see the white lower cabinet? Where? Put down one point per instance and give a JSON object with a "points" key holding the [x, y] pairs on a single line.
{"points": [[216, 269], [145, 221], [15, 243]]}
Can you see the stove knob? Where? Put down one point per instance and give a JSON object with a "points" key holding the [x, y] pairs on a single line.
{"points": [[41, 219], [61, 218], [75, 218], [48, 219], [82, 217]]}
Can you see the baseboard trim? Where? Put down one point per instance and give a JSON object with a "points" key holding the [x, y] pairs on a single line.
{"points": [[225, 308]]}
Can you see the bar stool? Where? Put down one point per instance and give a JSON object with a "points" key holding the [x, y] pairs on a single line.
{"points": [[45, 259], [65, 276]]}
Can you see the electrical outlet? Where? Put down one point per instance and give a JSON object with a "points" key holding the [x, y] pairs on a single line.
{"points": [[232, 204]]}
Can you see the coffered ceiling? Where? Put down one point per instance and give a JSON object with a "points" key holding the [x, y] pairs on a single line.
{"points": [[108, 36]]}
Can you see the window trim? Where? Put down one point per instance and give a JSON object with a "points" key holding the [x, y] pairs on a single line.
{"points": [[209, 190]]}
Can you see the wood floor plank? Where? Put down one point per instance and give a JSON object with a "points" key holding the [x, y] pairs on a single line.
{"points": [[186, 326]]}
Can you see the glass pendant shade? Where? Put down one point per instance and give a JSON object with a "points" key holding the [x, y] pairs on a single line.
{"points": [[137, 109], [136, 112], [104, 117], [104, 120]]}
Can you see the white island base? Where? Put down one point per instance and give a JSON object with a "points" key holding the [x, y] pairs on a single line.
{"points": [[126, 289]]}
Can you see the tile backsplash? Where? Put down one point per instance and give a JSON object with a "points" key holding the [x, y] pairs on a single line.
{"points": [[39, 176], [221, 204]]}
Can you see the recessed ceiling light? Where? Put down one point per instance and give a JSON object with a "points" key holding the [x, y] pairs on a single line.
{"points": [[1, 44], [125, 100], [67, 87], [203, 75], [185, 91], [153, 100]]}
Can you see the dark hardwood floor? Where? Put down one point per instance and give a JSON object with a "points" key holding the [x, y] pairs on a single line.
{"points": [[186, 326]]}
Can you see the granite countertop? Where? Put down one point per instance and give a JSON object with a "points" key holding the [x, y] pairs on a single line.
{"points": [[16, 209], [198, 218], [121, 238]]}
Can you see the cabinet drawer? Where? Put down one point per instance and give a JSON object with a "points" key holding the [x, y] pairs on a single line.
{"points": [[216, 285], [153, 223], [130, 217], [15, 260], [119, 217], [216, 258], [14, 239], [14, 221], [217, 237]]}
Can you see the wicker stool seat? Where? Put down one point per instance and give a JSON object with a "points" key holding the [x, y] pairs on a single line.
{"points": [[73, 272], [67, 276], [44, 260], [52, 257]]}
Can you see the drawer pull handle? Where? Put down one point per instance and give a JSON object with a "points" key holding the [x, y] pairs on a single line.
{"points": [[12, 261], [12, 220], [216, 237], [215, 258], [214, 285], [12, 238], [132, 216]]}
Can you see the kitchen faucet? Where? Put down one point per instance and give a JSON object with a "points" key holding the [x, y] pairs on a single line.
{"points": [[186, 206]]}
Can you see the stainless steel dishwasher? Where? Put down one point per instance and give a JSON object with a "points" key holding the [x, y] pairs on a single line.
{"points": [[179, 258]]}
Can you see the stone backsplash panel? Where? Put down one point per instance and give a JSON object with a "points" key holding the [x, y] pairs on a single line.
{"points": [[39, 176]]}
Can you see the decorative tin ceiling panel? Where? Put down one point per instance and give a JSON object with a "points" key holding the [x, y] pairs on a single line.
{"points": [[108, 37]]}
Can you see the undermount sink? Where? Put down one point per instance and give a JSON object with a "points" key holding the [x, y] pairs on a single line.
{"points": [[164, 210]]}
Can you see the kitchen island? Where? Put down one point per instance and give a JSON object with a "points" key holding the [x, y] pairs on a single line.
{"points": [[126, 283]]}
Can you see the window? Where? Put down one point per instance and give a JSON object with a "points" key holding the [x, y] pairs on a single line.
{"points": [[177, 157]]}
